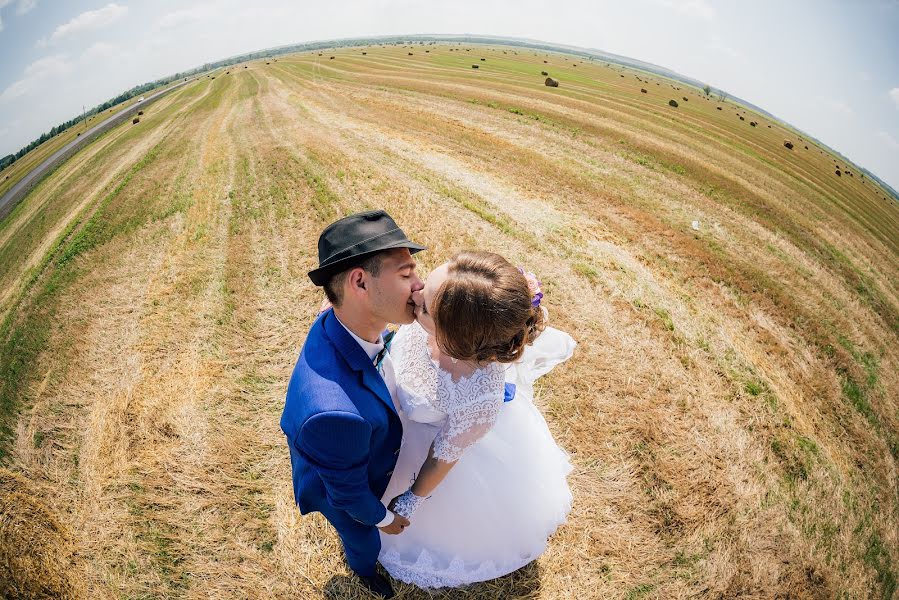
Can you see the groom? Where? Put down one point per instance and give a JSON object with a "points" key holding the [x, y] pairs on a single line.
{"points": [[339, 417]]}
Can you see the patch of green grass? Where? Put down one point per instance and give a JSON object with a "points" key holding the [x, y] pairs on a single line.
{"points": [[878, 558], [807, 444], [857, 397], [25, 330], [776, 251], [755, 387], [639, 591], [665, 316], [165, 556], [795, 467], [324, 200], [587, 271]]}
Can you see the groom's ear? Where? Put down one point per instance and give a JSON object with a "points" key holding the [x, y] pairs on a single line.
{"points": [[356, 279]]}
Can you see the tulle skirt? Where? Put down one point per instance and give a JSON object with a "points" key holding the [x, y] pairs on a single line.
{"points": [[494, 511]]}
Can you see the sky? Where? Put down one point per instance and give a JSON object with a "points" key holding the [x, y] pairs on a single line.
{"points": [[828, 67]]}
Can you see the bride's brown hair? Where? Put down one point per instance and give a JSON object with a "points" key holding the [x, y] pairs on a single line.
{"points": [[483, 310]]}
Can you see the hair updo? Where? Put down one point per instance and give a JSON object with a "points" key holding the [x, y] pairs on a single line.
{"points": [[483, 310]]}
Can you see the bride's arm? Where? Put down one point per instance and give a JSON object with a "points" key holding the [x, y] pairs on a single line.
{"points": [[463, 428], [433, 470]]}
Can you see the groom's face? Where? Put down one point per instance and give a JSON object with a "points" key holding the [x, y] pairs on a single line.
{"points": [[391, 294]]}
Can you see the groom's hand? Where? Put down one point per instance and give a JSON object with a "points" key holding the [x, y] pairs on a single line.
{"points": [[399, 523]]}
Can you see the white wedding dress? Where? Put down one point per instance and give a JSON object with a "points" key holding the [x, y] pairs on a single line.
{"points": [[508, 493]]}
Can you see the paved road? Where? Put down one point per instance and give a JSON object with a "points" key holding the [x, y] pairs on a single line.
{"points": [[20, 189]]}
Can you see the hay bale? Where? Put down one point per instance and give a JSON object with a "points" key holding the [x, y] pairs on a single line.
{"points": [[550, 82], [686, 99], [140, 112], [37, 554], [742, 119], [838, 173], [544, 73], [643, 90], [475, 66], [718, 107], [672, 103], [331, 58], [806, 147], [788, 144], [364, 53], [483, 59], [752, 123], [135, 121]]}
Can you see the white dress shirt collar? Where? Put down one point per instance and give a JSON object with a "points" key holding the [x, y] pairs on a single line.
{"points": [[370, 349]]}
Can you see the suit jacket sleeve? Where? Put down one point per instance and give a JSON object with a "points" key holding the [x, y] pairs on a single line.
{"points": [[337, 445]]}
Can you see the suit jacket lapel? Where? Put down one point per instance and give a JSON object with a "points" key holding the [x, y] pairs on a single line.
{"points": [[356, 358]]}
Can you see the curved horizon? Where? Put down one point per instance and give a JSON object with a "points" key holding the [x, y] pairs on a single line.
{"points": [[823, 69]]}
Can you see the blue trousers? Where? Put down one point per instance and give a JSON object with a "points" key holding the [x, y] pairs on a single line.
{"points": [[361, 543]]}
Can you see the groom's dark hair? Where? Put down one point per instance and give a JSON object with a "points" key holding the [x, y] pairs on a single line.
{"points": [[334, 287]]}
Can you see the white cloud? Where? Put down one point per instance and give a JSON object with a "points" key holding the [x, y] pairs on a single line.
{"points": [[97, 51], [888, 140], [92, 19], [25, 6], [187, 15], [35, 73], [894, 94]]}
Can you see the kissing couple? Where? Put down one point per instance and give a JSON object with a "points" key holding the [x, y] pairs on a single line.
{"points": [[422, 446]]}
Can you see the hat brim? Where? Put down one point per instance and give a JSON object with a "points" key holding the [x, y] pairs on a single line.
{"points": [[323, 274]]}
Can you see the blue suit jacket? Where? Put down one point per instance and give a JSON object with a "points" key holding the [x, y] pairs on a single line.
{"points": [[341, 426]]}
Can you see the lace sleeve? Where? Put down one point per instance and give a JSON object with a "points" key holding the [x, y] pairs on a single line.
{"points": [[474, 405]]}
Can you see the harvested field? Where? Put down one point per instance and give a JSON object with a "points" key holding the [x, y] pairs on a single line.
{"points": [[732, 410]]}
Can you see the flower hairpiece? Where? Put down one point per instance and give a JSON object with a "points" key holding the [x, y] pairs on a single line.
{"points": [[534, 287]]}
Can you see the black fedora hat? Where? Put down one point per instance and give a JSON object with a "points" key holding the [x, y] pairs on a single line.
{"points": [[347, 242]]}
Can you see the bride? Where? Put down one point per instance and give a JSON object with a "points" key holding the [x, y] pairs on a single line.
{"points": [[481, 480]]}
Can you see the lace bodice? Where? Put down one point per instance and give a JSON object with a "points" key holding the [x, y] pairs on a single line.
{"points": [[465, 409]]}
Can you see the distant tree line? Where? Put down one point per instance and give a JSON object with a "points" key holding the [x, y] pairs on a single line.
{"points": [[137, 90], [141, 89]]}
